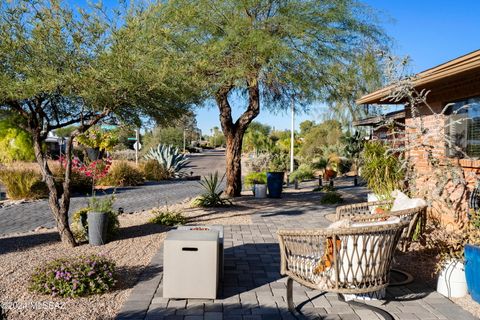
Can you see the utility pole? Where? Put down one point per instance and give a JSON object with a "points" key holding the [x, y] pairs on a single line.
{"points": [[184, 140], [292, 138], [137, 144]]}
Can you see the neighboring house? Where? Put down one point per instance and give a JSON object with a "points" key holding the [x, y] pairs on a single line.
{"points": [[386, 127], [55, 146], [450, 124]]}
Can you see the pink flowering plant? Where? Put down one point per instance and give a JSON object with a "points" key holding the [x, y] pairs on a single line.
{"points": [[66, 277], [95, 170]]}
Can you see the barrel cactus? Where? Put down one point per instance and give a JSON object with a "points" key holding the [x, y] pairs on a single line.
{"points": [[170, 158]]}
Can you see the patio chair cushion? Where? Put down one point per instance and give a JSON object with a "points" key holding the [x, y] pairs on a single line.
{"points": [[355, 251], [403, 202], [360, 257]]}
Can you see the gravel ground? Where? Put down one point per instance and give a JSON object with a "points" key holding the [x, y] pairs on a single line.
{"points": [[23, 253], [135, 245]]}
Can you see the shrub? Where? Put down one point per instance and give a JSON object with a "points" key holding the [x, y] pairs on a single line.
{"points": [[74, 278], [154, 171], [279, 162], [381, 169], [79, 225], [122, 174], [345, 165], [255, 178], [303, 172], [15, 144], [169, 158], [168, 218], [212, 196], [331, 197], [125, 155], [79, 182], [23, 184], [258, 163]]}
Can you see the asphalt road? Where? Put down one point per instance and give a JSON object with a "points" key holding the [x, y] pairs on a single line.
{"points": [[31, 215]]}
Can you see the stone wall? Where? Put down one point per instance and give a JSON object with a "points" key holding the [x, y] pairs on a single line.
{"points": [[445, 182]]}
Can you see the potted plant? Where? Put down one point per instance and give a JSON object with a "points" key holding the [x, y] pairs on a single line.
{"points": [[99, 209], [258, 182], [381, 170], [451, 279], [275, 176], [97, 219], [472, 255]]}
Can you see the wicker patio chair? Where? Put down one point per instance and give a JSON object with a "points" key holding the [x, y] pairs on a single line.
{"points": [[353, 260], [363, 211]]}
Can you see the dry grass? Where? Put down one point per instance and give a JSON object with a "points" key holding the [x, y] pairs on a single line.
{"points": [[30, 165]]}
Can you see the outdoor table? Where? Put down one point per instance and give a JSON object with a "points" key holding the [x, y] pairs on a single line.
{"points": [[191, 264], [218, 228]]}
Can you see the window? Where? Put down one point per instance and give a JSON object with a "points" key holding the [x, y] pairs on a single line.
{"points": [[463, 128]]}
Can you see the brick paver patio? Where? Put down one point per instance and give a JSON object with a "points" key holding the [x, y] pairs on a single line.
{"points": [[254, 290]]}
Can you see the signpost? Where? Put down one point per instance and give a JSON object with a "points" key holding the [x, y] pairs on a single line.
{"points": [[137, 145]]}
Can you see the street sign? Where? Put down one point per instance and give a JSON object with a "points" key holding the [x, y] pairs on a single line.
{"points": [[132, 139], [137, 144]]}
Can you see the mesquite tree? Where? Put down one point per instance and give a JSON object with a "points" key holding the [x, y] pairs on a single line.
{"points": [[264, 52], [60, 67]]}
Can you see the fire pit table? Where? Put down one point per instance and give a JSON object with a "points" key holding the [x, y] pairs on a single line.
{"points": [[191, 264], [218, 228]]}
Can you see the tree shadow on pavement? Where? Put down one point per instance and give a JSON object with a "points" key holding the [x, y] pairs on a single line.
{"points": [[24, 242], [140, 230]]}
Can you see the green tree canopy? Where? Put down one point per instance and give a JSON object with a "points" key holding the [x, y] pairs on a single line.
{"points": [[62, 67], [327, 133], [305, 126], [264, 50]]}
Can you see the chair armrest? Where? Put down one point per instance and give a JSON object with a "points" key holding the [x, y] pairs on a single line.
{"points": [[363, 208]]}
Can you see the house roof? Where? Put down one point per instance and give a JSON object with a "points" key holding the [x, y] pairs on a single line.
{"points": [[446, 72], [376, 120]]}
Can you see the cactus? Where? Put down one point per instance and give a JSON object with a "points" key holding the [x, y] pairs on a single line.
{"points": [[170, 158]]}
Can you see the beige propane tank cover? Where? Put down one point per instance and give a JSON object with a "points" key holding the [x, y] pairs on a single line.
{"points": [[190, 264]]}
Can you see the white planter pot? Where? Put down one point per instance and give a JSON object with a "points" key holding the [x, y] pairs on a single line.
{"points": [[451, 280], [260, 190], [372, 197]]}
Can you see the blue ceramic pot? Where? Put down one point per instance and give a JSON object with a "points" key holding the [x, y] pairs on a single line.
{"points": [[472, 267], [275, 184]]}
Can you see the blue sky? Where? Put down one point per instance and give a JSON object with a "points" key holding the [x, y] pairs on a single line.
{"points": [[429, 31]]}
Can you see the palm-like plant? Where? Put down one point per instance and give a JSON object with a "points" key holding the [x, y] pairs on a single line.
{"points": [[169, 158], [212, 197]]}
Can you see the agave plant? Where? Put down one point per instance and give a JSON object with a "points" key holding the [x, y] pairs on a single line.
{"points": [[212, 197], [169, 158]]}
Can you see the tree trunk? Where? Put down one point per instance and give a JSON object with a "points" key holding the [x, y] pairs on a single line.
{"points": [[234, 133], [58, 205], [234, 165]]}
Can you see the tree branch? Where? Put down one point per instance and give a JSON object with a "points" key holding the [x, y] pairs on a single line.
{"points": [[225, 109]]}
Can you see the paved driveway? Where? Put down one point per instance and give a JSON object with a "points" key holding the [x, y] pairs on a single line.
{"points": [[29, 216]]}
